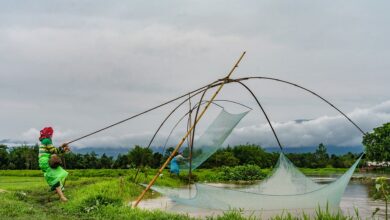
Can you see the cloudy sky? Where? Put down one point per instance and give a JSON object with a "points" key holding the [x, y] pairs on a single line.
{"points": [[80, 65]]}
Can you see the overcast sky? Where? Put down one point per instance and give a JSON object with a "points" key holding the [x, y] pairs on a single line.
{"points": [[80, 65]]}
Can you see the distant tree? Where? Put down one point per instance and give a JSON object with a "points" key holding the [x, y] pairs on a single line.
{"points": [[157, 160], [321, 156], [253, 154], [223, 157], [336, 161], [349, 159], [303, 159], [122, 162], [11, 166], [24, 157], [91, 161], [226, 158], [106, 162], [378, 143], [168, 151], [74, 161], [321, 152], [140, 156], [4, 157]]}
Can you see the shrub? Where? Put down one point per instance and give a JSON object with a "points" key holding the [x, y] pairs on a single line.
{"points": [[245, 172]]}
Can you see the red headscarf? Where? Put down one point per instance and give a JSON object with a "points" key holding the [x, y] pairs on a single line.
{"points": [[46, 133]]}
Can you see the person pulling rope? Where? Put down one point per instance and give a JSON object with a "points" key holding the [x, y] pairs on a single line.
{"points": [[50, 162]]}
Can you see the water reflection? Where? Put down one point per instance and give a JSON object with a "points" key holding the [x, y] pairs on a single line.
{"points": [[356, 197]]}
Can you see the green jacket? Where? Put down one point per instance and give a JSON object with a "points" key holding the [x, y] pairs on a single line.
{"points": [[54, 177]]}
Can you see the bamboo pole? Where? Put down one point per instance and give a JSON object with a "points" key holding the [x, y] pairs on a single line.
{"points": [[186, 135], [189, 140]]}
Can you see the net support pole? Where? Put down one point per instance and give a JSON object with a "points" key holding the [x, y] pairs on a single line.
{"points": [[140, 197], [190, 138]]}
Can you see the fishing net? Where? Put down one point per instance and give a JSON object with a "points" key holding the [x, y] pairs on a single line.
{"points": [[285, 188], [213, 138]]}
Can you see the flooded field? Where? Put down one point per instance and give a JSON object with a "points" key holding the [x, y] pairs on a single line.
{"points": [[356, 197]]}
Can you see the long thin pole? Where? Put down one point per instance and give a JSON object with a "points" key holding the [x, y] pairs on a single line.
{"points": [[186, 135], [189, 140], [265, 114], [158, 129]]}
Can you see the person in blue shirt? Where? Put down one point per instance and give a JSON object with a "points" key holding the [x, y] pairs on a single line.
{"points": [[174, 166]]}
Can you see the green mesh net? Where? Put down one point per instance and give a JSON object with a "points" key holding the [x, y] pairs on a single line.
{"points": [[213, 138]]}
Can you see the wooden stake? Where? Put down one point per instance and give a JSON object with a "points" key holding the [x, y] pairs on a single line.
{"points": [[186, 135]]}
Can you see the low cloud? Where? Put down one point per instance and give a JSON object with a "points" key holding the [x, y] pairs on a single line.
{"points": [[330, 130]]}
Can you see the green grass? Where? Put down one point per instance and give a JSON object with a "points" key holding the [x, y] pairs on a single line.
{"points": [[323, 171], [95, 194], [202, 174], [211, 175], [89, 198]]}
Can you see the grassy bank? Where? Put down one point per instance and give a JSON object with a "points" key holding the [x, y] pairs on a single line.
{"points": [[90, 198], [202, 174], [94, 194]]}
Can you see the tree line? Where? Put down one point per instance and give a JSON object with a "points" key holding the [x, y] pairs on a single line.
{"points": [[377, 145], [26, 157], [255, 155]]}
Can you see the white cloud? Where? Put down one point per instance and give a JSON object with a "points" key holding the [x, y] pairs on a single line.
{"points": [[330, 130], [80, 66], [31, 134]]}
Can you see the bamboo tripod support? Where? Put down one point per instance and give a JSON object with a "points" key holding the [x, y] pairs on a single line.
{"points": [[186, 135]]}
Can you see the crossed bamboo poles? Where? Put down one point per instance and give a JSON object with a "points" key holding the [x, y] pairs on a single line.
{"points": [[220, 83], [187, 134]]}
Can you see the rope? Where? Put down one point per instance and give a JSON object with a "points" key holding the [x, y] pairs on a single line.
{"points": [[308, 90], [158, 129], [178, 122], [214, 84], [265, 114], [139, 114], [193, 131]]}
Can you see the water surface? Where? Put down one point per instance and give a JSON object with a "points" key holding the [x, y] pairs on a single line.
{"points": [[356, 197]]}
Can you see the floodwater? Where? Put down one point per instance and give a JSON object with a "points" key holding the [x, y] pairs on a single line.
{"points": [[356, 197]]}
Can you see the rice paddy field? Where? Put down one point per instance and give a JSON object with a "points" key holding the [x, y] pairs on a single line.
{"points": [[98, 194], [103, 194]]}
